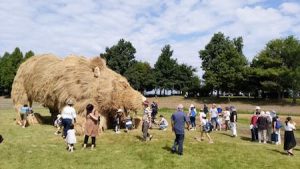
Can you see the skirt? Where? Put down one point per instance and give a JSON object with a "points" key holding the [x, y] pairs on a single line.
{"points": [[289, 140]]}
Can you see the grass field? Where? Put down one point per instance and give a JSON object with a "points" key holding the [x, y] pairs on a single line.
{"points": [[37, 147]]}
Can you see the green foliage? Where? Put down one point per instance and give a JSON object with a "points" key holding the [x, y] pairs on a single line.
{"points": [[171, 75], [141, 76], [120, 57], [9, 65], [277, 66], [166, 68], [224, 63]]}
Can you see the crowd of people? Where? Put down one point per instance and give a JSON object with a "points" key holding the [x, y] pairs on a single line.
{"points": [[265, 126]]}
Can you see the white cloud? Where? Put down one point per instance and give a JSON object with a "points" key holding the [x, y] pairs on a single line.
{"points": [[87, 27]]}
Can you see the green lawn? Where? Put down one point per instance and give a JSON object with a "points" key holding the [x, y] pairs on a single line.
{"points": [[38, 147]]}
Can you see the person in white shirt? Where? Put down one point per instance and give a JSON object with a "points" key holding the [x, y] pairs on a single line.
{"points": [[71, 138], [205, 127], [226, 116], [68, 115], [214, 116], [163, 124], [289, 138]]}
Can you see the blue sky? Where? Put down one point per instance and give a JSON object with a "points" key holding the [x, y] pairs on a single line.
{"points": [[86, 27]]}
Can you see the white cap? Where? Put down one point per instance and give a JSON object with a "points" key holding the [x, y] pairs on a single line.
{"points": [[192, 105], [257, 108], [120, 110]]}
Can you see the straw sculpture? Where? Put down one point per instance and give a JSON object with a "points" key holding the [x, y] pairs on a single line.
{"points": [[51, 81]]}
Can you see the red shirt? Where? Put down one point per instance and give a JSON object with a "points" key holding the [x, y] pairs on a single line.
{"points": [[254, 120]]}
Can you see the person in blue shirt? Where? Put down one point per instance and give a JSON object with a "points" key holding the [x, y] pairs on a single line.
{"points": [[179, 120]]}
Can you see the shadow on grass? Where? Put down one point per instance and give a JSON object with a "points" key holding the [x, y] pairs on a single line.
{"points": [[167, 148], [140, 138], [245, 138], [278, 151], [226, 134], [47, 120]]}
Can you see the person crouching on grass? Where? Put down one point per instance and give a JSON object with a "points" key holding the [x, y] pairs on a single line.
{"points": [[71, 138]]}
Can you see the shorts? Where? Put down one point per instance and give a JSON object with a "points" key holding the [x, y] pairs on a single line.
{"points": [[23, 116]]}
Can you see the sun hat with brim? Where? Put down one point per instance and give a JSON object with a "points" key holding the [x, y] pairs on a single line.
{"points": [[70, 102], [146, 102]]}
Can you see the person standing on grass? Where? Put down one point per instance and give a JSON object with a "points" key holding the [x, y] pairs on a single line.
{"points": [[226, 116], [192, 116], [154, 108], [262, 125], [178, 124], [205, 127], [91, 125], [71, 138], [276, 126], [289, 138], [253, 124], [117, 120], [214, 116], [233, 121], [68, 115], [269, 126], [145, 128]]}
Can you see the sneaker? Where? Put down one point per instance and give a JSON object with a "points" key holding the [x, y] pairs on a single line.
{"points": [[150, 137], [92, 147], [265, 142], [210, 142]]}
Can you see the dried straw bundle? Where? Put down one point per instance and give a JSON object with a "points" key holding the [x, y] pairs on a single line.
{"points": [[51, 81]]}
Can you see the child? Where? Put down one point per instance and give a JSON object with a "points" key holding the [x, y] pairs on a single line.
{"points": [[206, 127], [163, 124], [58, 124], [117, 120], [71, 138], [128, 123], [145, 128]]}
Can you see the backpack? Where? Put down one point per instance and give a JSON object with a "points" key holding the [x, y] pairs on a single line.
{"points": [[208, 127], [278, 124], [193, 113]]}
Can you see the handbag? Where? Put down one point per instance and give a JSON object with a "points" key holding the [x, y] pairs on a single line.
{"points": [[274, 137]]}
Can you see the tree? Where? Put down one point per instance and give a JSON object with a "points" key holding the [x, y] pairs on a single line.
{"points": [[224, 63], [141, 76], [120, 57], [9, 65], [165, 69], [277, 66], [186, 80]]}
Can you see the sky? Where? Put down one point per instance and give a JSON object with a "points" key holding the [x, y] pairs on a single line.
{"points": [[87, 27]]}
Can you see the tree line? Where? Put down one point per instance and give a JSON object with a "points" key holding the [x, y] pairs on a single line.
{"points": [[9, 64], [273, 73]]}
